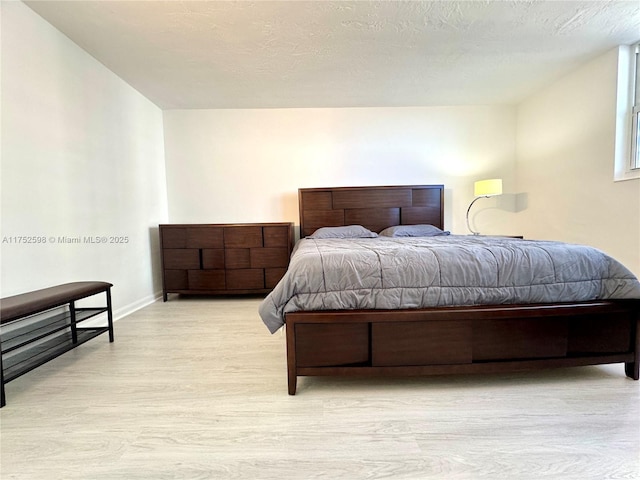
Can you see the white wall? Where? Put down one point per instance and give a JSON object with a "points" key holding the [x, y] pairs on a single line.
{"points": [[82, 155], [565, 168], [227, 166]]}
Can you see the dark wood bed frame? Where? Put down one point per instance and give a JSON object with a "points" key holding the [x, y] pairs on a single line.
{"points": [[448, 340]]}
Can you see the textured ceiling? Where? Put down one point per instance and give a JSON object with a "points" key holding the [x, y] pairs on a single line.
{"points": [[271, 54]]}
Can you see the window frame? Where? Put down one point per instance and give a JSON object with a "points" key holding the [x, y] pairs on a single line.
{"points": [[635, 109], [627, 121]]}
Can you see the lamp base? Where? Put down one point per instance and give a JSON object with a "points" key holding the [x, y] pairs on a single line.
{"points": [[468, 210]]}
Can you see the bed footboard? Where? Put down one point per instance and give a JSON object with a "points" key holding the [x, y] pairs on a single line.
{"points": [[462, 340]]}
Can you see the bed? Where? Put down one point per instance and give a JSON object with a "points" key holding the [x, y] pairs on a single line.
{"points": [[358, 303]]}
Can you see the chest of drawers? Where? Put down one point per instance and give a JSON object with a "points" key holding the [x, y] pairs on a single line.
{"points": [[223, 259]]}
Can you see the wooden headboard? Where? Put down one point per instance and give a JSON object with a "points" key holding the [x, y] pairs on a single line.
{"points": [[375, 208]]}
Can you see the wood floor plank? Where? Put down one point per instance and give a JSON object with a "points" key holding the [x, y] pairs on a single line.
{"points": [[196, 388]]}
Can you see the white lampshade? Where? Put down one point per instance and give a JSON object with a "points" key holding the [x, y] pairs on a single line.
{"points": [[488, 188]]}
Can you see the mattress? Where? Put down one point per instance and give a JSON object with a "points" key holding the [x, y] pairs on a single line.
{"points": [[421, 272]]}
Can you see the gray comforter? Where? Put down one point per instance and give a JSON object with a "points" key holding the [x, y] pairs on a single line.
{"points": [[393, 273]]}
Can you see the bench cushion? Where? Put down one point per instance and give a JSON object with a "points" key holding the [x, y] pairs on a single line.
{"points": [[17, 306]]}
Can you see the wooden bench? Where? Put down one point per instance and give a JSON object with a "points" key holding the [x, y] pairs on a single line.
{"points": [[34, 328]]}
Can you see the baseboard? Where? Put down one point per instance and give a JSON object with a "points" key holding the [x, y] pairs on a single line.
{"points": [[124, 311]]}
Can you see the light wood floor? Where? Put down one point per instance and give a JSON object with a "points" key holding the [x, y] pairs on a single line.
{"points": [[196, 389]]}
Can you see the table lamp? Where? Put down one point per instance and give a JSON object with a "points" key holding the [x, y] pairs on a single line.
{"points": [[484, 189]]}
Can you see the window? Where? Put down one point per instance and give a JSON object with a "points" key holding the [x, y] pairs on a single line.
{"points": [[627, 127], [635, 122]]}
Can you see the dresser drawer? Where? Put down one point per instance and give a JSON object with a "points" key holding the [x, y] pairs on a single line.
{"points": [[213, 258], [207, 279], [245, 279], [205, 237], [237, 258], [174, 237], [242, 237], [269, 257], [181, 258], [276, 236], [176, 280]]}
